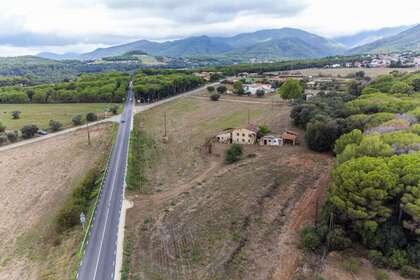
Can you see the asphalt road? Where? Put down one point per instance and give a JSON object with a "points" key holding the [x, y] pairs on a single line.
{"points": [[98, 262], [99, 257]]}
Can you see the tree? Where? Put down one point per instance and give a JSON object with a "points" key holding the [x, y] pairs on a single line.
{"points": [[238, 88], [361, 190], [30, 93], [233, 153], [263, 130], [355, 88], [353, 137], [91, 117], [320, 135], [221, 89], [401, 87], [310, 238], [77, 120], [16, 115], [291, 89], [260, 93], [28, 131], [55, 125], [215, 97], [360, 75]]}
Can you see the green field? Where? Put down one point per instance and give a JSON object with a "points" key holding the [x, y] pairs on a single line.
{"points": [[41, 114]]}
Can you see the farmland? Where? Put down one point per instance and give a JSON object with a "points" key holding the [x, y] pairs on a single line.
{"points": [[29, 246], [195, 217], [41, 114]]}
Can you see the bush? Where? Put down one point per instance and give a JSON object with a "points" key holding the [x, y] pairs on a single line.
{"points": [[260, 93], [2, 127], [398, 259], [233, 154], [12, 136], [410, 272], [3, 139], [77, 120], [91, 117], [263, 130], [114, 109], [215, 97], [291, 89], [413, 251], [337, 240], [28, 131], [353, 137], [381, 275], [55, 125], [377, 258], [210, 88], [221, 89], [402, 87], [310, 238], [16, 115]]}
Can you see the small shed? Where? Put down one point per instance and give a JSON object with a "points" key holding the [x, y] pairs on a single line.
{"points": [[271, 140], [289, 137]]}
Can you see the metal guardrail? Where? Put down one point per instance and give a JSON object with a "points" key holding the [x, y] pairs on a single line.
{"points": [[81, 252]]}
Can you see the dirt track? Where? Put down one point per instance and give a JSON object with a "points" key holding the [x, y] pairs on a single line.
{"points": [[35, 179]]}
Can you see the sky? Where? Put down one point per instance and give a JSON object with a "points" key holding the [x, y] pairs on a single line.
{"points": [[30, 27]]}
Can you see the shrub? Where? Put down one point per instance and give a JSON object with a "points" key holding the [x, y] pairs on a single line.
{"points": [[260, 93], [352, 265], [381, 275], [12, 136], [221, 89], [55, 125], [215, 97], [413, 251], [114, 109], [3, 139], [77, 120], [2, 127], [210, 88], [398, 259], [233, 154], [16, 115], [401, 87], [310, 238], [28, 131], [377, 258], [410, 272], [353, 137], [91, 117], [337, 239]]}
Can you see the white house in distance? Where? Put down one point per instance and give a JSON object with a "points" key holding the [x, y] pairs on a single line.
{"points": [[271, 140], [225, 137], [253, 88]]}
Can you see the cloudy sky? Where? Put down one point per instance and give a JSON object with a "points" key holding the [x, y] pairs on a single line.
{"points": [[29, 27]]}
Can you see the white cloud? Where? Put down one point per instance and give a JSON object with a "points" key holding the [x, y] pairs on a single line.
{"points": [[63, 24]]}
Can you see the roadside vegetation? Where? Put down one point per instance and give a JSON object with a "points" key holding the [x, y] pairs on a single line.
{"points": [[374, 195], [150, 86]]}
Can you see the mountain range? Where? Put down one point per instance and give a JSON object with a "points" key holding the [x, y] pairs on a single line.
{"points": [[273, 44]]}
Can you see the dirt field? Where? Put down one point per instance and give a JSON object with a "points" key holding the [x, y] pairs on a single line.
{"points": [[207, 220], [371, 72], [35, 180]]}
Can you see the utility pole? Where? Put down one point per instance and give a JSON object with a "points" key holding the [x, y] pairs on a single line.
{"points": [[88, 132], [164, 116], [248, 117]]}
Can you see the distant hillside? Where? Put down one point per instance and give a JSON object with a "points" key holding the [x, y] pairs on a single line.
{"points": [[366, 37], [265, 44], [285, 43], [54, 56], [408, 40]]}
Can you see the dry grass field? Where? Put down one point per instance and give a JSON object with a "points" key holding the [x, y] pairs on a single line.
{"points": [[371, 72], [203, 219], [35, 180]]}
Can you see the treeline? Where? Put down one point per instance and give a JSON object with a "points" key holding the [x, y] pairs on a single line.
{"points": [[284, 65], [374, 196], [152, 85], [87, 88]]}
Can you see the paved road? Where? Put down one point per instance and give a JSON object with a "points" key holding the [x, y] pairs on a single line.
{"points": [[98, 262], [99, 258]]}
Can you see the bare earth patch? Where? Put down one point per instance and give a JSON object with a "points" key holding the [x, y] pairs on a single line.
{"points": [[35, 180], [207, 220]]}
